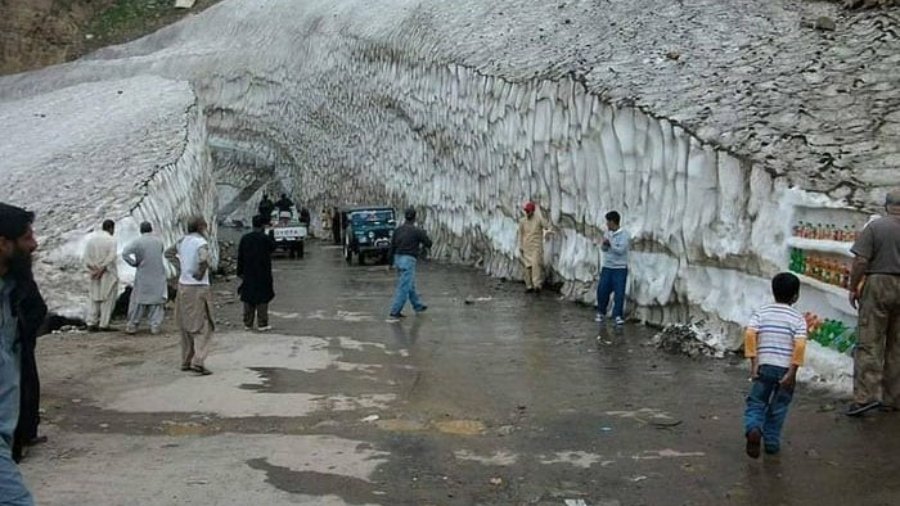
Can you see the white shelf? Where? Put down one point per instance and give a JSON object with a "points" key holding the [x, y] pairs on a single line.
{"points": [[823, 246], [825, 287]]}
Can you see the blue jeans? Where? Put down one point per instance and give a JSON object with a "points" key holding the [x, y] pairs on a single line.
{"points": [[12, 486], [612, 280], [767, 405], [406, 284]]}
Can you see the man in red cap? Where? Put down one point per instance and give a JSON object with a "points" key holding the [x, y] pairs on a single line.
{"points": [[531, 247]]}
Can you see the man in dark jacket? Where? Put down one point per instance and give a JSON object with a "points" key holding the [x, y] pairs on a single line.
{"points": [[336, 225], [22, 314], [284, 204], [406, 246], [254, 267], [266, 206]]}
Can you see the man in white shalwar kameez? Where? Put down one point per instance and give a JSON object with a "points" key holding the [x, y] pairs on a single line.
{"points": [[103, 277]]}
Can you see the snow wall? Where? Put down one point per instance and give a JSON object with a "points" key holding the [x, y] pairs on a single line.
{"points": [[715, 127], [128, 150]]}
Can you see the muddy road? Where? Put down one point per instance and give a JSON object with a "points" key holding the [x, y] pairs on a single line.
{"points": [[506, 399]]}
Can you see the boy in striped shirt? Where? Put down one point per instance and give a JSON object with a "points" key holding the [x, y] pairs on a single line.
{"points": [[775, 342]]}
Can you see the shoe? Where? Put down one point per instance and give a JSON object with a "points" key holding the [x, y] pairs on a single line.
{"points": [[154, 332], [772, 450], [35, 441], [858, 409], [185, 367], [620, 322], [202, 371], [397, 315], [265, 328], [754, 437], [130, 331], [422, 309], [93, 328], [599, 318], [248, 329]]}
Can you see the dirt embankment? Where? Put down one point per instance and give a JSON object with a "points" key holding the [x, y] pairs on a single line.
{"points": [[37, 33]]}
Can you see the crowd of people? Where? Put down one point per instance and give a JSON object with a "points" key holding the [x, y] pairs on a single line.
{"points": [[774, 338]]}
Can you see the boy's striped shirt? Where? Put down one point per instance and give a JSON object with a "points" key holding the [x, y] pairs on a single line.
{"points": [[776, 335]]}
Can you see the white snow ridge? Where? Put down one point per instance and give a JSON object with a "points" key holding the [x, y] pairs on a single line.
{"points": [[705, 133]]}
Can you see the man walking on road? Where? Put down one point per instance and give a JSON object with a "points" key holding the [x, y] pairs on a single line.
{"points": [[254, 267], [150, 291], [614, 273], [100, 260], [22, 312], [406, 245], [193, 306], [876, 361], [532, 228]]}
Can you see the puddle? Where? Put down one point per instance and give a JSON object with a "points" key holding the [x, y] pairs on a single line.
{"points": [[461, 427], [398, 425]]}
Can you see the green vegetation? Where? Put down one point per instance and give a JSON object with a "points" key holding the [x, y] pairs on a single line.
{"points": [[127, 16]]}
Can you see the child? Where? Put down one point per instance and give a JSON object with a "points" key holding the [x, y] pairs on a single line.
{"points": [[775, 342]]}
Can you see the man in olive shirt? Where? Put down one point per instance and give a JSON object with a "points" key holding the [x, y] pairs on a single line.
{"points": [[405, 247], [876, 376]]}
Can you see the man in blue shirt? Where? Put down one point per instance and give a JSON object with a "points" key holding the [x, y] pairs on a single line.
{"points": [[18, 306], [614, 274]]}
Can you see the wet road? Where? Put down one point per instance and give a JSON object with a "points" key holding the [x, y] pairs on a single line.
{"points": [[507, 399]]}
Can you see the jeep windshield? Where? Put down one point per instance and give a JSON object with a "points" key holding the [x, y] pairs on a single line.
{"points": [[373, 218]]}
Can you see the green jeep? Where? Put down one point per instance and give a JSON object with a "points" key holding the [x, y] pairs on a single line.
{"points": [[368, 232]]}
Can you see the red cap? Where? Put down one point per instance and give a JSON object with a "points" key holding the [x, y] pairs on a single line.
{"points": [[529, 207]]}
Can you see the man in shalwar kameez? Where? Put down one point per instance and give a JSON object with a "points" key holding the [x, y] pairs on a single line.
{"points": [[532, 228], [193, 305], [103, 277], [149, 293]]}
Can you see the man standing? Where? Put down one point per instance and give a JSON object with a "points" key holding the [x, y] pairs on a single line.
{"points": [[531, 247], [150, 292], [193, 306], [22, 312], [100, 260], [405, 249], [284, 206], [254, 267], [337, 225], [265, 208], [614, 274], [876, 268]]}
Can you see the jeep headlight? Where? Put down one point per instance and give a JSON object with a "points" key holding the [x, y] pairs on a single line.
{"points": [[371, 234]]}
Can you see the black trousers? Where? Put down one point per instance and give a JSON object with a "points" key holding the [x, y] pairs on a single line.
{"points": [[29, 405]]}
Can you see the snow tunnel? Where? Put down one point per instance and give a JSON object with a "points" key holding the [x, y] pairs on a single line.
{"points": [[727, 163]]}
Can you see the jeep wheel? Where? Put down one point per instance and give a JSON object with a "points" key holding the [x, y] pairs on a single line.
{"points": [[348, 254], [361, 258]]}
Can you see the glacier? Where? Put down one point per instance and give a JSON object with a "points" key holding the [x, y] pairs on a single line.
{"points": [[713, 126]]}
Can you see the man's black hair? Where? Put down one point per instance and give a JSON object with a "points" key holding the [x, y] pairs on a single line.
{"points": [[195, 224], [259, 221], [785, 288], [410, 214], [14, 221], [146, 227], [614, 217], [108, 225]]}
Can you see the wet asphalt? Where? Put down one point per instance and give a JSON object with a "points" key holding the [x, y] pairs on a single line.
{"points": [[490, 397]]}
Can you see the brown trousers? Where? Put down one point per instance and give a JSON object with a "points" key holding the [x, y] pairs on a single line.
{"points": [[534, 276], [193, 313], [876, 361]]}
